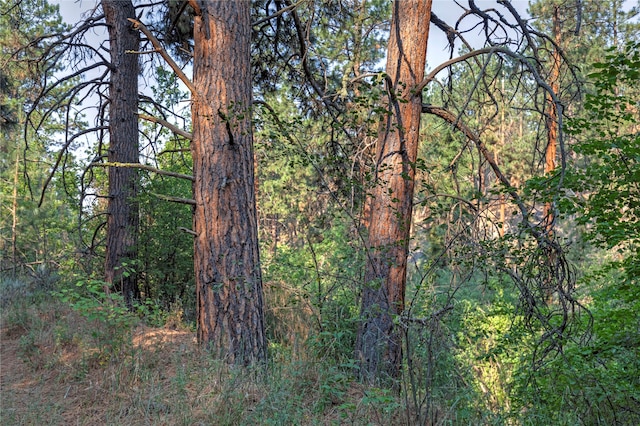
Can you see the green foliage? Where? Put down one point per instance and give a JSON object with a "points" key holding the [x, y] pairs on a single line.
{"points": [[322, 282], [467, 351], [111, 321], [597, 382], [463, 351], [31, 234], [166, 269], [609, 145]]}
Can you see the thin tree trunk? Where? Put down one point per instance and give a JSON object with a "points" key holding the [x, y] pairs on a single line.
{"points": [[379, 342], [552, 123], [14, 221], [123, 211], [230, 311], [551, 150], [502, 200]]}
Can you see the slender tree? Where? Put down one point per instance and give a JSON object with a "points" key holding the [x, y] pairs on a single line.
{"points": [[552, 120], [379, 342]]}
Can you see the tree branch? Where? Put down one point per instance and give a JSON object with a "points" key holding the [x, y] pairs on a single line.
{"points": [[526, 62], [175, 129], [144, 167], [59, 159], [278, 13], [179, 200], [154, 41], [188, 231], [304, 52], [450, 118], [450, 62]]}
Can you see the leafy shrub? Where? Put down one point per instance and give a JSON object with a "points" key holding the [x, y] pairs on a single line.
{"points": [[599, 382], [110, 321]]}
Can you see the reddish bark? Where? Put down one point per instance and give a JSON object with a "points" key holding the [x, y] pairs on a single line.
{"points": [[552, 119], [230, 314], [379, 343]]}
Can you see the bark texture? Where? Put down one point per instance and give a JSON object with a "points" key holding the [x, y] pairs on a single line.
{"points": [[123, 211], [379, 343], [227, 266]]}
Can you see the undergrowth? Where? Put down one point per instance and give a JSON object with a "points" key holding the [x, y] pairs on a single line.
{"points": [[87, 362], [77, 357]]}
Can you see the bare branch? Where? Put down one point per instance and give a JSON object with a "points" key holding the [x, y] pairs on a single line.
{"points": [[59, 159], [144, 167], [451, 118], [526, 62], [169, 151], [173, 128], [178, 200], [300, 32], [436, 316], [181, 75], [188, 231], [278, 13]]}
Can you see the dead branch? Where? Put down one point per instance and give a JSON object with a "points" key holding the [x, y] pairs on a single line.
{"points": [[154, 41], [188, 231], [436, 316], [278, 13], [173, 128], [144, 167], [451, 118], [59, 159], [178, 200]]}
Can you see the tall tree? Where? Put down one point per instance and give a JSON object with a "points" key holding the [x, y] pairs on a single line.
{"points": [[230, 313], [379, 343], [123, 212]]}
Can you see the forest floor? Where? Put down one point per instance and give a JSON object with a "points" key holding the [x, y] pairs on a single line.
{"points": [[55, 394], [57, 368]]}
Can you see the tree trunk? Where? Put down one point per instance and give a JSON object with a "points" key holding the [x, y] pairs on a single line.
{"points": [[14, 221], [551, 149], [123, 215], [552, 118], [379, 343], [230, 312]]}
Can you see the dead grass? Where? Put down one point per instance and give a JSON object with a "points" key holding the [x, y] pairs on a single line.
{"points": [[54, 371]]}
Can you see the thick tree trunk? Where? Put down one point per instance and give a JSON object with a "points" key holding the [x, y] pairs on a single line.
{"points": [[123, 212], [229, 295], [379, 343]]}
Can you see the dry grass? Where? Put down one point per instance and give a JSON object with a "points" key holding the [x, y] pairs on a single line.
{"points": [[57, 368]]}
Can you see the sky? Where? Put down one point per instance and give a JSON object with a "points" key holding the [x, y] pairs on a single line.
{"points": [[72, 11]]}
